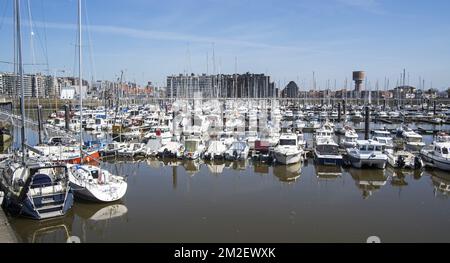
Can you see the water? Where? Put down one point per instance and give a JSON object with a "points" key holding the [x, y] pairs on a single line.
{"points": [[257, 203], [195, 201]]}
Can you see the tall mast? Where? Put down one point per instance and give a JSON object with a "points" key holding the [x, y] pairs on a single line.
{"points": [[80, 81], [20, 69]]}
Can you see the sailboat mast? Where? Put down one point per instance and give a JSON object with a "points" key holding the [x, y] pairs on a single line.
{"points": [[20, 71], [80, 81]]}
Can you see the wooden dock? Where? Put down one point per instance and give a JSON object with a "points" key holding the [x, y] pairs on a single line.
{"points": [[7, 234]]}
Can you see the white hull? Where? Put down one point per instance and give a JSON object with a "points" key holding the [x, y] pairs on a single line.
{"points": [[98, 193], [290, 158], [438, 162]]}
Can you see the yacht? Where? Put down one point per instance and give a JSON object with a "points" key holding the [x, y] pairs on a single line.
{"points": [[193, 148], [216, 150], [112, 149], [437, 155], [326, 151], [159, 132], [172, 149], [288, 151], [403, 159], [388, 142], [367, 153], [132, 150], [238, 151], [93, 183], [38, 190], [413, 140], [350, 137]]}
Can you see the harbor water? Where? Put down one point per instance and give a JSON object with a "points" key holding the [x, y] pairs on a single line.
{"points": [[199, 201]]}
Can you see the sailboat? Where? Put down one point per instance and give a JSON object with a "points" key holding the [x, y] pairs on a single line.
{"points": [[91, 182], [32, 188]]}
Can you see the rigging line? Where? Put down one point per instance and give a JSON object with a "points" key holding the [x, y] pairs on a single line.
{"points": [[91, 60], [45, 46], [4, 14]]}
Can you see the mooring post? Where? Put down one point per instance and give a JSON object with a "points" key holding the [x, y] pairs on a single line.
{"points": [[343, 106], [434, 108], [367, 123], [66, 115], [339, 112], [39, 115]]}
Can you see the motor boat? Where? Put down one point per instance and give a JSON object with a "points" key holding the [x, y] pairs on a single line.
{"points": [[216, 150], [172, 149], [437, 155], [132, 150], [326, 151], [112, 149], [388, 142], [193, 148], [350, 137], [367, 153], [403, 159], [288, 151], [238, 151]]}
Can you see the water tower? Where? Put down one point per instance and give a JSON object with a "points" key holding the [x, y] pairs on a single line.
{"points": [[358, 78]]}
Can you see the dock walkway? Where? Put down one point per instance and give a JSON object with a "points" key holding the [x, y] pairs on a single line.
{"points": [[6, 232]]}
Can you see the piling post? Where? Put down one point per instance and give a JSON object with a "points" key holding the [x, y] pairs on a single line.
{"points": [[246, 121], [367, 123], [39, 116], [66, 115], [339, 112], [434, 108], [343, 106], [224, 118]]}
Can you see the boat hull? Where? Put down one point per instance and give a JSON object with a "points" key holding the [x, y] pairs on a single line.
{"points": [[288, 158]]}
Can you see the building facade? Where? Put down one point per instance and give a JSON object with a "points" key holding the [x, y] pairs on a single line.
{"points": [[220, 86]]}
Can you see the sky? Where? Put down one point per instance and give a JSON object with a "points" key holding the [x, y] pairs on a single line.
{"points": [[286, 39]]}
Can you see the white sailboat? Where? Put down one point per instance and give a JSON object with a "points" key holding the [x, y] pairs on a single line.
{"points": [[90, 182], [32, 188]]}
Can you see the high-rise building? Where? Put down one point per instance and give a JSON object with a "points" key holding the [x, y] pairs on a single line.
{"points": [[220, 86]]}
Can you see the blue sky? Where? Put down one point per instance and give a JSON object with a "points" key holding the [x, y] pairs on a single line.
{"points": [[285, 39]]}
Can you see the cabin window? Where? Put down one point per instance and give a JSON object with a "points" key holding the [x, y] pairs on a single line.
{"points": [[378, 148], [362, 148], [370, 147], [445, 150], [191, 146], [288, 142], [94, 174]]}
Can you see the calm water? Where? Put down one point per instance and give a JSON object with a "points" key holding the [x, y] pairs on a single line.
{"points": [[243, 202], [174, 201]]}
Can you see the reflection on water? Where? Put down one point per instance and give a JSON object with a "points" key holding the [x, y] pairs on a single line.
{"points": [[441, 183], [195, 201], [46, 231], [368, 181], [92, 217], [287, 173], [328, 172]]}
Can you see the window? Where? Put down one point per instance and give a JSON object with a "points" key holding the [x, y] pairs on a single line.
{"points": [[288, 142], [444, 150], [362, 147], [371, 148]]}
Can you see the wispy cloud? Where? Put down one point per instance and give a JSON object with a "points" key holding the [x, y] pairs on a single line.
{"points": [[372, 6], [145, 34]]}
